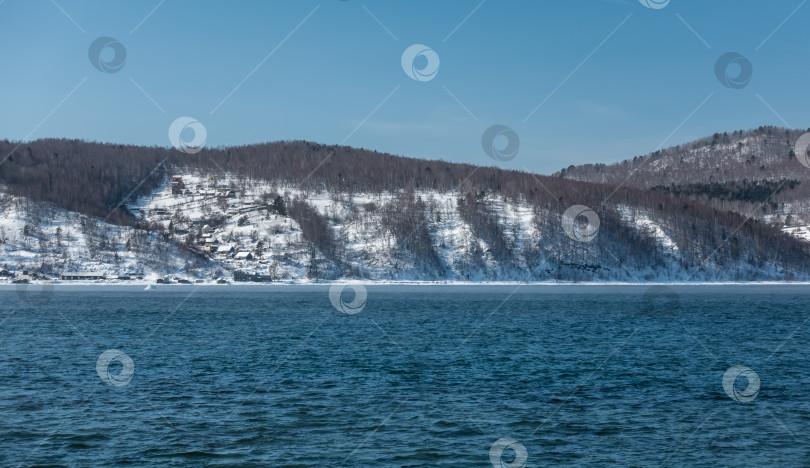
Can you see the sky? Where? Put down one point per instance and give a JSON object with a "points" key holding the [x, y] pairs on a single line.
{"points": [[572, 81]]}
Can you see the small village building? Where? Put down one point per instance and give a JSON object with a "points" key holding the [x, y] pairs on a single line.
{"points": [[130, 275], [80, 275], [243, 255], [226, 249], [240, 275], [177, 185]]}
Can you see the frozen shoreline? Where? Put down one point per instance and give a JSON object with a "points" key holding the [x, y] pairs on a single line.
{"points": [[35, 287]]}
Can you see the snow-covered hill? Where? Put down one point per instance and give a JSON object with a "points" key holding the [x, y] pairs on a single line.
{"points": [[303, 211], [766, 153], [197, 227], [49, 241], [755, 173]]}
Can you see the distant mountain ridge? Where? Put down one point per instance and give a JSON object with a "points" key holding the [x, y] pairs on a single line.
{"points": [[730, 171]]}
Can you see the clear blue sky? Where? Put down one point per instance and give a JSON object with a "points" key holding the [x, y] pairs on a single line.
{"points": [[340, 64]]}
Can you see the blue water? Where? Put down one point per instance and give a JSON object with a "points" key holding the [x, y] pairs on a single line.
{"points": [[420, 377]]}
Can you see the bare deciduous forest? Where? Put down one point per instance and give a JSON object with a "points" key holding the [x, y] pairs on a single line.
{"points": [[96, 179], [753, 171]]}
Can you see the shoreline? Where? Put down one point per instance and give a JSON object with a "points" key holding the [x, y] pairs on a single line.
{"points": [[37, 287], [395, 283]]}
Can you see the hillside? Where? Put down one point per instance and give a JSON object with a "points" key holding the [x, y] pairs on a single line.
{"points": [[752, 172], [303, 211]]}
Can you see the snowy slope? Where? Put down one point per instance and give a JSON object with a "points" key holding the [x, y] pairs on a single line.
{"points": [[199, 228], [51, 240]]}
